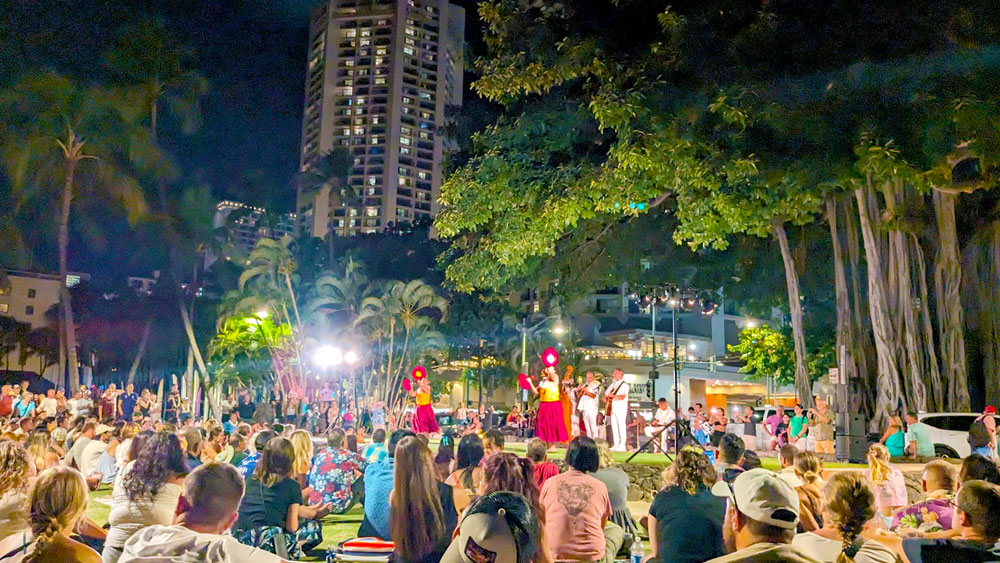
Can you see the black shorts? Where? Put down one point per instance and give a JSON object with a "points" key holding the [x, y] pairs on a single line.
{"points": [[717, 437]]}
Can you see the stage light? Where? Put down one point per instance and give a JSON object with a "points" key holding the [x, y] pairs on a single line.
{"points": [[327, 356], [708, 307]]}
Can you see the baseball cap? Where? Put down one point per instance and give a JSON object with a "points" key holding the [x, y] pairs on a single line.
{"points": [[500, 527], [762, 496], [990, 410], [101, 429]]}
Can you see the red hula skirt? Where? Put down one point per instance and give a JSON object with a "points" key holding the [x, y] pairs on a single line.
{"points": [[550, 426], [424, 420]]}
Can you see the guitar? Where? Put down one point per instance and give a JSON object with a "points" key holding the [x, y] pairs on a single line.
{"points": [[609, 399]]}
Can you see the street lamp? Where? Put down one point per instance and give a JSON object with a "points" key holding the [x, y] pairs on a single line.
{"points": [[328, 356]]}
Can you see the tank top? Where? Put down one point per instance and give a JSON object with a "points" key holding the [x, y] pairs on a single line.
{"points": [[423, 399], [548, 392]]}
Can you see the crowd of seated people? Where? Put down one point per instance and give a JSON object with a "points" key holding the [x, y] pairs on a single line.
{"points": [[260, 492]]}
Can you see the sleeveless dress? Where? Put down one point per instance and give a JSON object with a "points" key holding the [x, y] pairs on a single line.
{"points": [[424, 420], [550, 426], [896, 443]]}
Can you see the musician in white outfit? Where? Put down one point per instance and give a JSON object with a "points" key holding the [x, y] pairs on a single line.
{"points": [[663, 416], [617, 395], [588, 403]]}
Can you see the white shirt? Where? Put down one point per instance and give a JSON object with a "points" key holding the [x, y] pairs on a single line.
{"points": [[75, 453], [590, 404], [166, 544], [88, 458], [618, 388], [128, 517], [48, 406], [663, 416], [827, 550]]}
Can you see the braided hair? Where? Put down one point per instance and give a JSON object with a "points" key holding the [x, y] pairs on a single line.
{"points": [[57, 501], [850, 503]]}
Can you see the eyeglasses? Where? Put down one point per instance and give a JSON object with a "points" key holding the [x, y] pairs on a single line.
{"points": [[732, 496]]}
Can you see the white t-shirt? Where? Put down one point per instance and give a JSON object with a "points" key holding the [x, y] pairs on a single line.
{"points": [[618, 388], [75, 453], [88, 458], [128, 517], [663, 416], [827, 550], [48, 406], [166, 544], [590, 404]]}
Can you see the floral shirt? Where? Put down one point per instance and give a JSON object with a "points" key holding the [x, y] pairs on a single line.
{"points": [[931, 515], [247, 466], [332, 475], [375, 452]]}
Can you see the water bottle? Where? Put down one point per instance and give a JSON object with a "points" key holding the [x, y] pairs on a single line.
{"points": [[637, 553]]}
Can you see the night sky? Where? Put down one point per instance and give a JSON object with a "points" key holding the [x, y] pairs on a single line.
{"points": [[251, 51]]}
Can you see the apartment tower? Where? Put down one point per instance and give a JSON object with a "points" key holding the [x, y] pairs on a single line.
{"points": [[381, 76]]}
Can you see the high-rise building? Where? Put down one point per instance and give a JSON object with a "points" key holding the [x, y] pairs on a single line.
{"points": [[381, 76], [251, 223]]}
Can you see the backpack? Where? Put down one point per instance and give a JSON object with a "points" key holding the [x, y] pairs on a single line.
{"points": [[978, 435]]}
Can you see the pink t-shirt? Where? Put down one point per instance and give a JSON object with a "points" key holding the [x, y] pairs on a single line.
{"points": [[576, 507], [892, 492]]}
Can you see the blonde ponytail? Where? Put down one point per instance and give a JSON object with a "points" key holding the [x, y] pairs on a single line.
{"points": [[878, 463], [808, 467], [58, 499]]}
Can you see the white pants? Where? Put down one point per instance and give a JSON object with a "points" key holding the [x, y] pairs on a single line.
{"points": [[574, 421], [590, 422], [652, 430], [619, 429]]}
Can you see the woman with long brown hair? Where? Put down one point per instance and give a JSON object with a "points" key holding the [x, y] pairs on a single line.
{"points": [[272, 515], [416, 516], [16, 471], [507, 472], [57, 502]]}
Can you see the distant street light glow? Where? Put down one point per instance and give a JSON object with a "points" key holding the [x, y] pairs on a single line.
{"points": [[327, 356], [351, 357]]}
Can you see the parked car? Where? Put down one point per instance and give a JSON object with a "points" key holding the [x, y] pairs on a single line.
{"points": [[949, 432]]}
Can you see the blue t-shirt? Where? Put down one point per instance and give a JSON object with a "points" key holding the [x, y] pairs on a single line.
{"points": [[128, 401], [248, 465], [228, 427], [375, 452], [378, 487], [23, 408]]}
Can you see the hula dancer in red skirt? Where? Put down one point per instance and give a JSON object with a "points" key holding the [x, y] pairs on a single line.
{"points": [[424, 419], [550, 426]]}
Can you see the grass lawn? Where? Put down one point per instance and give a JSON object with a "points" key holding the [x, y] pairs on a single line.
{"points": [[337, 528]]}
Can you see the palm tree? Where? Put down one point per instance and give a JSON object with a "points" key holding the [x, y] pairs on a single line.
{"points": [[58, 133], [408, 310], [152, 65]]}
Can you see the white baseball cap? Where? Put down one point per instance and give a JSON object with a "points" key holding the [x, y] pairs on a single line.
{"points": [[101, 429], [762, 496]]}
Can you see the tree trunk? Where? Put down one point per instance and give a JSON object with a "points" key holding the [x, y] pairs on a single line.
{"points": [[947, 283], [860, 343], [845, 336], [69, 326], [888, 392], [935, 394], [803, 387], [141, 352], [193, 343], [911, 359]]}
